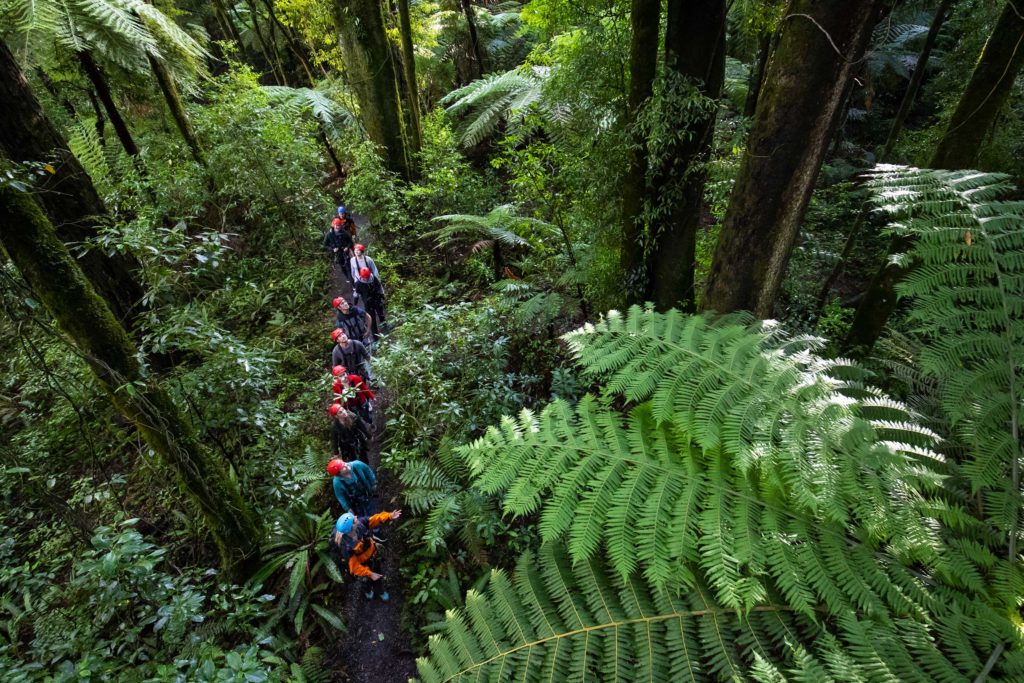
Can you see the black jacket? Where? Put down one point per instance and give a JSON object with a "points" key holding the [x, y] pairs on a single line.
{"points": [[337, 239]]}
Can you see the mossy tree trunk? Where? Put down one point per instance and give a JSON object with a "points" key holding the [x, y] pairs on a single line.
{"points": [[169, 88], [998, 66], [694, 56], [645, 19], [409, 67], [371, 72], [99, 81], [29, 241], [820, 46], [67, 195]]}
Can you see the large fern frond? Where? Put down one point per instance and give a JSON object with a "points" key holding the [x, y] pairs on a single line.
{"points": [[485, 103], [501, 223], [966, 291], [556, 620], [333, 116]]}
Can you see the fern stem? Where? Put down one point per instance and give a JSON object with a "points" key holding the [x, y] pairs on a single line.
{"points": [[711, 611]]}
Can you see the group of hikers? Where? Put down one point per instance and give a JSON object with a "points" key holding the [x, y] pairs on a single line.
{"points": [[358, 325]]}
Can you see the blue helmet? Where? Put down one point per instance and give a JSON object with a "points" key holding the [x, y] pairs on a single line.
{"points": [[341, 210], [345, 522]]}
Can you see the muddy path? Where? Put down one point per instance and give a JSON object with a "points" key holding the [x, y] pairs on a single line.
{"points": [[374, 649]]}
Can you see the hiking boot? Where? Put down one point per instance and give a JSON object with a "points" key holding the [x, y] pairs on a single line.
{"points": [[384, 596]]}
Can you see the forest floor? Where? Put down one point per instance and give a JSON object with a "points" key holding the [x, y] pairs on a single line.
{"points": [[374, 649]]}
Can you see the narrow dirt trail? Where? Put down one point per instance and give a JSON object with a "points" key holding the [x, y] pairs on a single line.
{"points": [[374, 649]]}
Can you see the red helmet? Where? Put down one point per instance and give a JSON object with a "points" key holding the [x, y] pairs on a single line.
{"points": [[336, 221], [334, 409], [338, 370], [359, 247], [334, 467], [364, 272], [337, 301], [336, 333]]}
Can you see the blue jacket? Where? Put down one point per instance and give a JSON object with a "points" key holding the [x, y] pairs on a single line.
{"points": [[358, 490]]}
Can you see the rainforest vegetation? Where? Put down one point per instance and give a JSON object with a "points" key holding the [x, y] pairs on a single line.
{"points": [[703, 353]]}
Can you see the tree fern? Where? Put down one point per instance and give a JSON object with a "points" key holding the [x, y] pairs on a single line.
{"points": [[485, 103], [332, 116], [966, 294], [501, 224], [781, 489]]}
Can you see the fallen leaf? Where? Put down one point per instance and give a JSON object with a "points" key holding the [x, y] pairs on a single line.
{"points": [[50, 169], [968, 238], [380, 636]]}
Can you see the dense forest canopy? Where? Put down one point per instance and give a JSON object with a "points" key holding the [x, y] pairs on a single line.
{"points": [[350, 340]]}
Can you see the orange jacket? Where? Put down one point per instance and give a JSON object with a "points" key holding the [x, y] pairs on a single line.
{"points": [[365, 549]]}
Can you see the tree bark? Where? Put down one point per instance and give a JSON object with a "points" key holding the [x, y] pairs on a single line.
{"points": [[95, 76], [409, 67], [820, 46], [54, 276], [67, 195], [694, 54], [474, 39], [645, 19], [997, 69], [910, 96], [371, 68], [986, 93], [169, 88]]}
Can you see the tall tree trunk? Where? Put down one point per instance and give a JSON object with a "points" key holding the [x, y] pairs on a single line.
{"points": [[95, 76], [371, 67], [409, 68], [910, 96], [67, 195], [222, 14], [474, 39], [54, 276], [645, 19], [986, 93], [293, 44], [757, 76], [997, 69], [273, 64], [173, 98], [694, 55], [821, 44]]}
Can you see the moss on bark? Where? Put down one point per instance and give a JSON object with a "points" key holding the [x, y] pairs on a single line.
{"points": [[29, 241]]}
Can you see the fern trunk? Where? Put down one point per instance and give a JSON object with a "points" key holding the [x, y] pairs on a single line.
{"points": [[99, 81], [819, 49], [29, 241], [409, 68], [169, 88], [997, 69], [67, 195], [645, 19], [694, 54], [371, 71], [910, 96], [474, 39]]}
